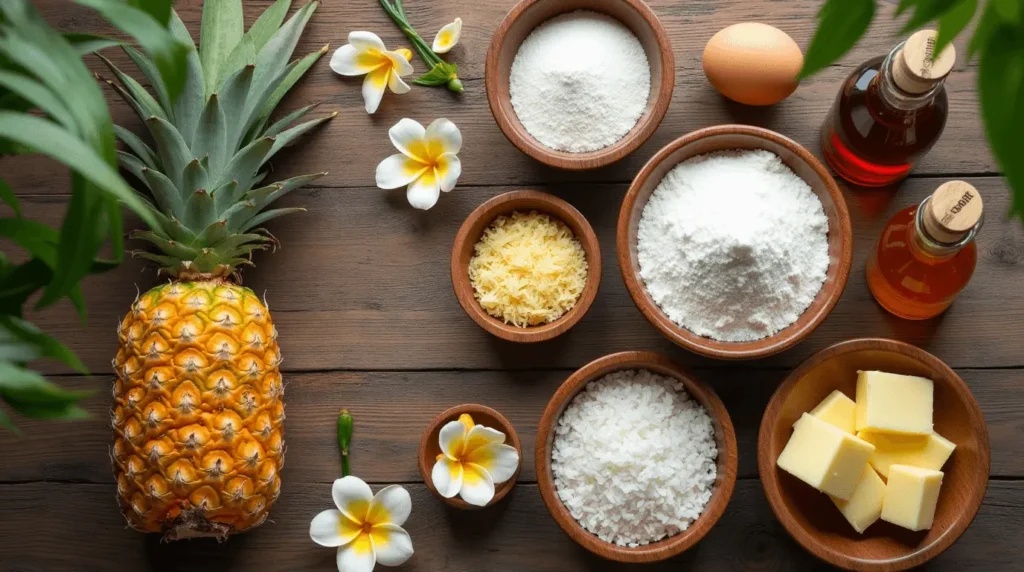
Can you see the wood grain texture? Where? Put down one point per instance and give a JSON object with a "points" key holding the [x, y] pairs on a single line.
{"points": [[362, 281], [813, 520], [725, 439], [513, 536], [517, 25], [469, 235], [430, 448], [351, 145], [804, 165]]}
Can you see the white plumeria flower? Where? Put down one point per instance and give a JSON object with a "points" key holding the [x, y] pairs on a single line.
{"points": [[447, 37], [365, 54], [472, 460], [427, 163], [367, 529]]}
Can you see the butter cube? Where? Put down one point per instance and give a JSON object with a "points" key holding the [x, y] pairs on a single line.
{"points": [[911, 496], [837, 409], [891, 403], [865, 506], [825, 457], [927, 452]]}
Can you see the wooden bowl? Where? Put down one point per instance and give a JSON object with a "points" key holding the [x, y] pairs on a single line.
{"points": [[469, 235], [527, 15], [430, 448], [725, 436], [803, 163], [812, 519]]}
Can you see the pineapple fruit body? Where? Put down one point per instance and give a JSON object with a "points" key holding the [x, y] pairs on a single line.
{"points": [[198, 411]]}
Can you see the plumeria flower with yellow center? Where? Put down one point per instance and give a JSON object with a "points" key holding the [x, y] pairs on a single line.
{"points": [[473, 459], [447, 37], [367, 529], [365, 54], [428, 162]]}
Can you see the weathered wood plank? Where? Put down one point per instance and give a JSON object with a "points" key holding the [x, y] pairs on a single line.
{"points": [[516, 535], [362, 281], [392, 409], [353, 143]]}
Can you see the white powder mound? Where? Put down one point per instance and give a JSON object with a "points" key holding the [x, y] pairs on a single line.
{"points": [[634, 458], [580, 82], [733, 245]]}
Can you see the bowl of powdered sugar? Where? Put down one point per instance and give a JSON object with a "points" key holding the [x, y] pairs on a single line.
{"points": [[735, 242], [636, 460], [579, 84]]}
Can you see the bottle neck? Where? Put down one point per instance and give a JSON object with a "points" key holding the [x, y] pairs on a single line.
{"points": [[893, 95], [925, 246]]}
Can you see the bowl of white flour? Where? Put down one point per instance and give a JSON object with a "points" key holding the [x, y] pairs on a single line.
{"points": [[636, 459], [735, 242], [579, 84]]}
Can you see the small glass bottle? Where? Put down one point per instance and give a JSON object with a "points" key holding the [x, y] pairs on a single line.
{"points": [[889, 113], [926, 254]]}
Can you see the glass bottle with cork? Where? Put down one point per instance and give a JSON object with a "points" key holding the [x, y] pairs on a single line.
{"points": [[926, 254], [889, 113]]}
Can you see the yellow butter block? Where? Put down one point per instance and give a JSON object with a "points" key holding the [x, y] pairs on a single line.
{"points": [[825, 457], [891, 403], [911, 496], [927, 452], [865, 506], [837, 409]]}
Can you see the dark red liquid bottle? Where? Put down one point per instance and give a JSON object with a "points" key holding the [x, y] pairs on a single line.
{"points": [[889, 113]]}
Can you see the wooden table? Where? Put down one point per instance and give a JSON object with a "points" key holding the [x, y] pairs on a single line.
{"points": [[361, 294]]}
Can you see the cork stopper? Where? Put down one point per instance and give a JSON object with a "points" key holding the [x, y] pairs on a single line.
{"points": [[915, 69], [954, 209]]}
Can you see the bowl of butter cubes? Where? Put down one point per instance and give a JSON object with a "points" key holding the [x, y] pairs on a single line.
{"points": [[874, 455]]}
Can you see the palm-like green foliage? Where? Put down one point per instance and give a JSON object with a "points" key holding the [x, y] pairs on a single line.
{"points": [[211, 145], [51, 104]]}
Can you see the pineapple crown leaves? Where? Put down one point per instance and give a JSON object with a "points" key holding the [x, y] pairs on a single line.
{"points": [[211, 144]]}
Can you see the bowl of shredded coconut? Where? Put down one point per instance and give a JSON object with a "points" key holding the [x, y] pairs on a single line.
{"points": [[735, 242], [579, 84], [636, 460]]}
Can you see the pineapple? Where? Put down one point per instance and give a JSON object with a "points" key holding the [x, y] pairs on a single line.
{"points": [[198, 409]]}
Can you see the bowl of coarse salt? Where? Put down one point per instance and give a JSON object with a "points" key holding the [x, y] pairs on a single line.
{"points": [[579, 84], [636, 460], [735, 242]]}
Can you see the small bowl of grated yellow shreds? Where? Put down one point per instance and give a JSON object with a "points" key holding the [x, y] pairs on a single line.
{"points": [[526, 266]]}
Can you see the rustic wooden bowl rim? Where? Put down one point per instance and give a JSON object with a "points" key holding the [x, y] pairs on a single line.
{"points": [[782, 340], [514, 131], [811, 541], [506, 203], [727, 457], [426, 463]]}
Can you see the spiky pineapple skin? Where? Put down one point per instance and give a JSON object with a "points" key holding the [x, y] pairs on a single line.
{"points": [[198, 411]]}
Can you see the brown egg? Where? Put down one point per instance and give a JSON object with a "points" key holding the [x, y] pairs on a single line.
{"points": [[753, 63]]}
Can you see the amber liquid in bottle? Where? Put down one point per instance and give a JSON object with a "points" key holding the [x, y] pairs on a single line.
{"points": [[876, 132], [911, 275]]}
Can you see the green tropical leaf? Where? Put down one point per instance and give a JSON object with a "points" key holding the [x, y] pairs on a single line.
{"points": [[953, 22], [6, 422], [26, 390], [9, 198], [989, 21], [173, 149], [189, 104], [288, 136], [840, 24], [211, 135], [243, 54], [147, 104], [286, 121], [268, 23], [194, 177], [220, 32], [286, 84], [144, 153], [49, 139], [168, 53], [245, 163], [232, 97], [89, 43], [35, 237], [199, 212], [168, 196], [152, 75], [160, 10], [927, 10], [14, 328], [272, 61], [1001, 90], [267, 216], [82, 235]]}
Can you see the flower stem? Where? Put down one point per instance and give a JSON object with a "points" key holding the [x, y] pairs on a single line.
{"points": [[344, 440], [396, 11]]}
